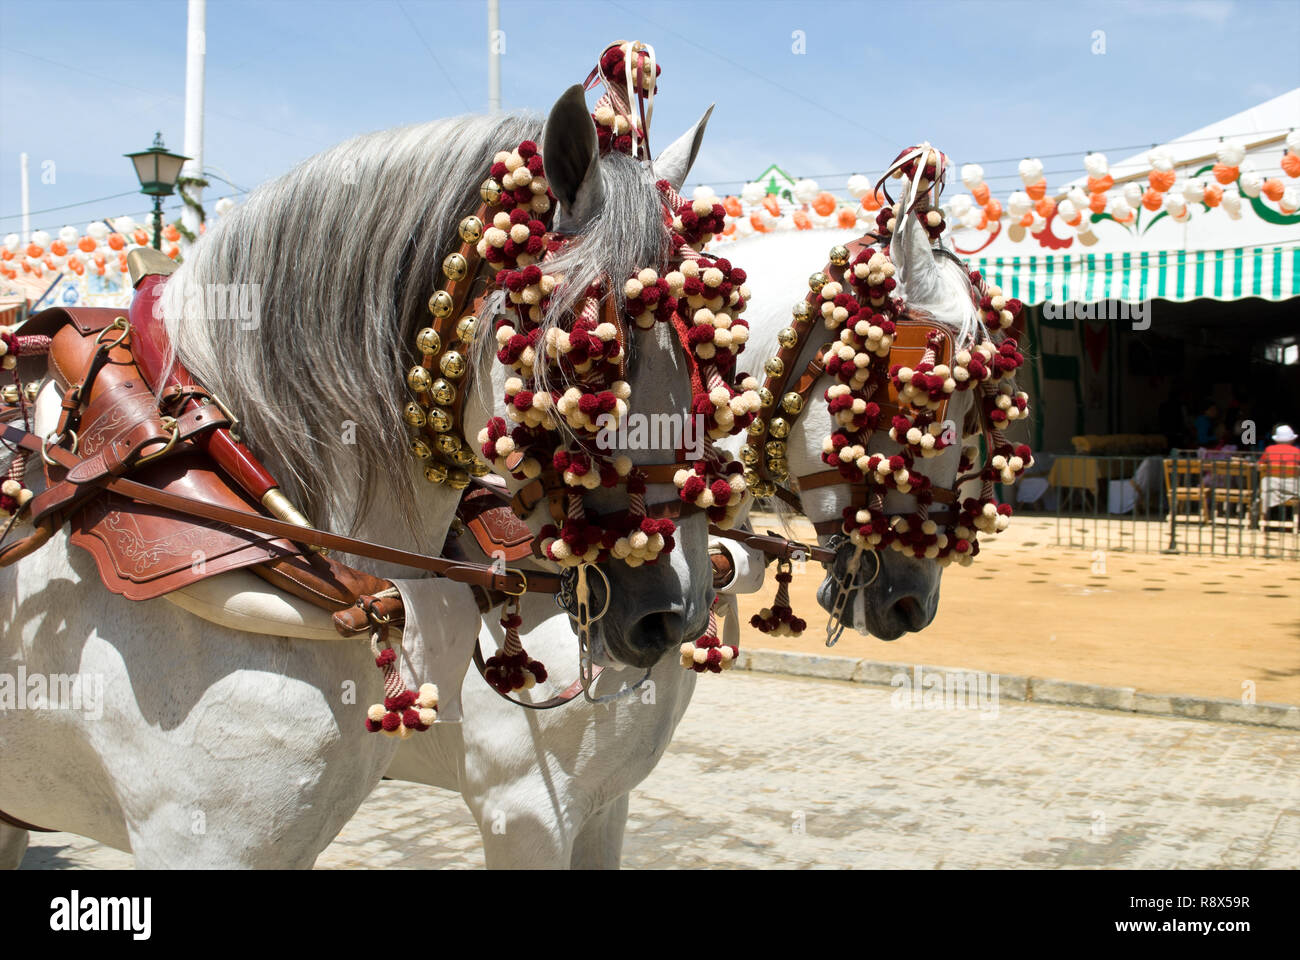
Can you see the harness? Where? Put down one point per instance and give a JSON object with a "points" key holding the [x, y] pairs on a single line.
{"points": [[898, 373]]}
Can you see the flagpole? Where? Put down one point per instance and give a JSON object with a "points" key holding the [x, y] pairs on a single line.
{"points": [[494, 56], [195, 58], [27, 200]]}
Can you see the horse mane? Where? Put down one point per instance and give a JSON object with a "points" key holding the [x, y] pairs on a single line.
{"points": [[341, 255]]}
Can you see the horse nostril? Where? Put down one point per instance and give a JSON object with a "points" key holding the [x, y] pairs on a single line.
{"points": [[656, 631], [910, 612]]}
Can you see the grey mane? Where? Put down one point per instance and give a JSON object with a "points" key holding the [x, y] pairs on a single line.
{"points": [[344, 252]]}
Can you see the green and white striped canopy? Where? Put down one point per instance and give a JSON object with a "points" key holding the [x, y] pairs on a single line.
{"points": [[1269, 272]]}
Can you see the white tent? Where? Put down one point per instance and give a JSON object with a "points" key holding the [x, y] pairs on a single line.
{"points": [[1211, 255]]}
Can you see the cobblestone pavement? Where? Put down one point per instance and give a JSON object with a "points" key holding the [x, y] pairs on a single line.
{"points": [[824, 774]]}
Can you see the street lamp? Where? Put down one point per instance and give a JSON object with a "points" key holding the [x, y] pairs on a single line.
{"points": [[158, 171]]}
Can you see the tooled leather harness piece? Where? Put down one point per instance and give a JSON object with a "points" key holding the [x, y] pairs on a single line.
{"points": [[142, 495]]}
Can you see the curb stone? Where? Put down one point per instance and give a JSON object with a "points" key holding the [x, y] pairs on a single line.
{"points": [[1029, 689]]}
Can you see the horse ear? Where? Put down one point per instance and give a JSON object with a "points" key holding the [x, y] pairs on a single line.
{"points": [[571, 158], [679, 156]]}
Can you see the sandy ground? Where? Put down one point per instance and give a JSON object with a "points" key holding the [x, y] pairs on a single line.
{"points": [[1200, 625]]}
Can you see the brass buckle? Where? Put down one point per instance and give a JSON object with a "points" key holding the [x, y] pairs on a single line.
{"points": [[169, 423], [522, 576], [48, 442], [221, 405]]}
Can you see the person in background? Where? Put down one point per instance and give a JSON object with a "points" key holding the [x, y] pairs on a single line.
{"points": [[1279, 468], [1282, 456], [1205, 424]]}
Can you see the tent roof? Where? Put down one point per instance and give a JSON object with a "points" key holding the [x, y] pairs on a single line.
{"points": [[1209, 256]]}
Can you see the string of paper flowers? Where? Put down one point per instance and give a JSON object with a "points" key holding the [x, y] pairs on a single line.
{"points": [[1219, 185], [98, 250], [1227, 185]]}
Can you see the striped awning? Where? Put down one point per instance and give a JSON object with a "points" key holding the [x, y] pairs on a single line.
{"points": [[1268, 272]]}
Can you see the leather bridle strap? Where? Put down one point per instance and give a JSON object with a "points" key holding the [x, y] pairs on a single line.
{"points": [[474, 574], [775, 546]]}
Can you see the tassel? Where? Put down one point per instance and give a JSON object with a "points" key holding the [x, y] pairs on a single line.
{"points": [[403, 711], [779, 619], [511, 668], [709, 652]]}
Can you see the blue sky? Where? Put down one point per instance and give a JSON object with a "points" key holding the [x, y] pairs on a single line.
{"points": [[83, 82]]}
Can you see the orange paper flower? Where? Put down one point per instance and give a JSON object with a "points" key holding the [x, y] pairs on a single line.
{"points": [[1161, 180], [1225, 174]]}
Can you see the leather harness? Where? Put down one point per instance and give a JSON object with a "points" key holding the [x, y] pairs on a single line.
{"points": [[791, 399]]}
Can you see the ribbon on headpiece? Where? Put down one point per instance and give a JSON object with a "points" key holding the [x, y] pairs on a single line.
{"points": [[638, 63]]}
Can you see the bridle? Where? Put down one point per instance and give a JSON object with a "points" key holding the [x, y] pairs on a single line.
{"points": [[896, 371], [507, 244], [844, 588]]}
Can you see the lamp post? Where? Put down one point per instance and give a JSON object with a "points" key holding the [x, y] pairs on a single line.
{"points": [[158, 171]]}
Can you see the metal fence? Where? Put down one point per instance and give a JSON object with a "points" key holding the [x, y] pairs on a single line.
{"points": [[1200, 502]]}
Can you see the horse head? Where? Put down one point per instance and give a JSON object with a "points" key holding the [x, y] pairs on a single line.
{"points": [[882, 441], [600, 494]]}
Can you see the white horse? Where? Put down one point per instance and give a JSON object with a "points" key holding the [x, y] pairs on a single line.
{"points": [[551, 788], [934, 284], [214, 747]]}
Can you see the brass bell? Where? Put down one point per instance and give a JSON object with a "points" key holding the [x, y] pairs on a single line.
{"points": [[802, 311], [463, 457], [452, 364], [775, 448], [440, 304], [443, 393], [478, 468], [774, 367], [440, 421], [779, 428], [765, 398], [458, 479], [419, 379], [10, 393], [490, 191], [778, 468], [421, 449], [752, 480], [748, 455], [454, 267], [787, 337], [839, 256], [436, 473], [447, 443], [757, 427], [471, 229], [413, 414], [466, 327], [792, 403], [428, 342], [817, 281], [32, 390]]}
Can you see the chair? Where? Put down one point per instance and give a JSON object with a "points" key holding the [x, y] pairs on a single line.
{"points": [[1071, 475], [1279, 486], [1232, 482], [1185, 483]]}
